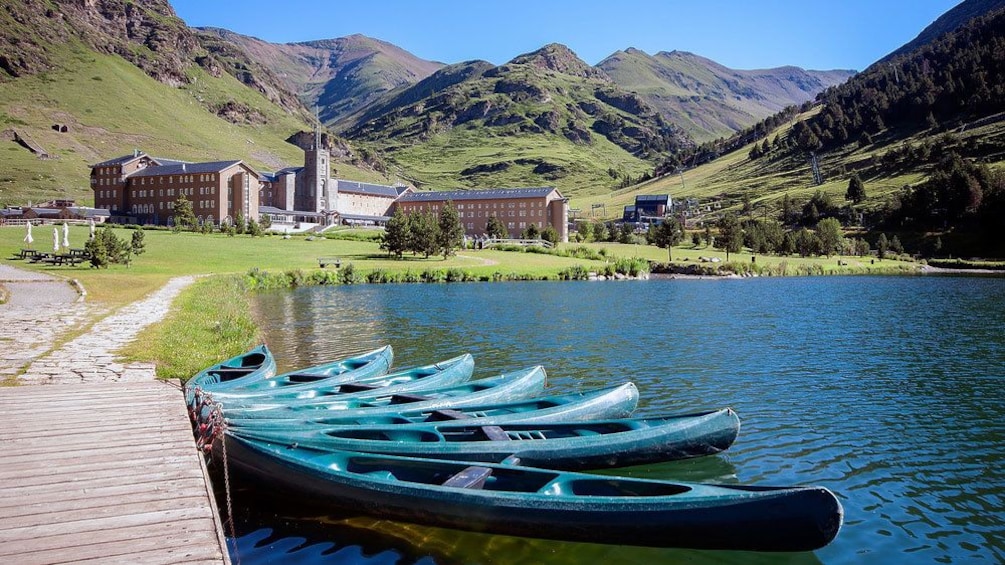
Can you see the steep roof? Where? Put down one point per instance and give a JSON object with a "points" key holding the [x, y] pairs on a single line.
{"points": [[490, 194], [186, 169]]}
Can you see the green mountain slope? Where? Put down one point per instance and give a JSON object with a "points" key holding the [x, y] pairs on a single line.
{"points": [[544, 118], [707, 99]]}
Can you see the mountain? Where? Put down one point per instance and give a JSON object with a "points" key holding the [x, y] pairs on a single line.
{"points": [[951, 20], [114, 76], [337, 76], [710, 100], [544, 115]]}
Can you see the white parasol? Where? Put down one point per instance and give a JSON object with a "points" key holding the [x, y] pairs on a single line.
{"points": [[28, 238], [66, 236], [55, 239], [92, 228]]}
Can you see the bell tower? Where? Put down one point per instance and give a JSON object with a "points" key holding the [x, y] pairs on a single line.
{"points": [[321, 192]]}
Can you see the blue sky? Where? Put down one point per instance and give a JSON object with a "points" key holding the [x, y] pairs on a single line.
{"points": [[749, 34]]}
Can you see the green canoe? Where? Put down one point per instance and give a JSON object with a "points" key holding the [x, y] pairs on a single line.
{"points": [[252, 366], [524, 501], [558, 445], [617, 401], [437, 375], [504, 388], [305, 382]]}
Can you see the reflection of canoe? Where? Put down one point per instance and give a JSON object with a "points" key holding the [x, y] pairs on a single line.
{"points": [[371, 364], [504, 388], [445, 373], [562, 445], [604, 403], [252, 366], [523, 501]]}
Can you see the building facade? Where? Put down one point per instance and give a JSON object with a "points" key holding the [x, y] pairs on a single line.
{"points": [[517, 208], [139, 188]]}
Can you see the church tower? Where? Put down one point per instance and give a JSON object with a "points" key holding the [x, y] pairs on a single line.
{"points": [[319, 192]]}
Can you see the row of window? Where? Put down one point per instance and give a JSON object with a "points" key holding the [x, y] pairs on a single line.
{"points": [[512, 214], [510, 225], [496, 205]]}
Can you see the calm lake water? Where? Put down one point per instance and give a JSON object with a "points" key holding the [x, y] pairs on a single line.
{"points": [[886, 390]]}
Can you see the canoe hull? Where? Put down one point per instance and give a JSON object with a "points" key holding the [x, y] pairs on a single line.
{"points": [[564, 445], [565, 506]]}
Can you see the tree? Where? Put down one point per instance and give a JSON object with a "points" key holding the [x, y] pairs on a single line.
{"points": [[882, 246], [253, 229], [394, 240], [730, 234], [585, 230], [266, 221], [450, 233], [495, 229], [550, 234], [106, 248], [828, 231], [856, 189], [424, 233], [530, 232], [666, 235], [136, 245], [184, 217], [240, 225]]}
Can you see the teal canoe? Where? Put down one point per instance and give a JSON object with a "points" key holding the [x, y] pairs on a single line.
{"points": [[503, 388], [559, 445], [562, 505], [307, 382], [252, 366], [428, 377], [617, 401]]}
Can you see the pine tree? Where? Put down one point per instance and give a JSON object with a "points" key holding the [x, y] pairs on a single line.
{"points": [[450, 233], [394, 240], [856, 189], [495, 229], [184, 217]]}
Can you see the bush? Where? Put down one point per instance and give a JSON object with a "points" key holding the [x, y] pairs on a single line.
{"points": [[348, 274]]}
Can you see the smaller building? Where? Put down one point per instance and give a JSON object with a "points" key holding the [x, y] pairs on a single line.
{"points": [[363, 203]]}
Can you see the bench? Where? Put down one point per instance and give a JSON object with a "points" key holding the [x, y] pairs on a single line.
{"points": [[495, 433], [325, 261]]}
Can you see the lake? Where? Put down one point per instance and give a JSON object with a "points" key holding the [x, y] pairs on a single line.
{"points": [[886, 390]]}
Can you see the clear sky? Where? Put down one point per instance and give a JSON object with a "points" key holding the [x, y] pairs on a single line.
{"points": [[741, 34]]}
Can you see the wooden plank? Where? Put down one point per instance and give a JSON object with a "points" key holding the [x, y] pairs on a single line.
{"points": [[31, 535], [103, 473], [71, 499], [125, 541], [95, 479], [60, 472]]}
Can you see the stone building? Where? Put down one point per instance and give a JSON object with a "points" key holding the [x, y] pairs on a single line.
{"points": [[138, 188]]}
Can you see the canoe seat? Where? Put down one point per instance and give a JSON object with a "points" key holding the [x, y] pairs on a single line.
{"points": [[406, 398], [470, 477], [446, 415], [356, 387], [495, 433]]}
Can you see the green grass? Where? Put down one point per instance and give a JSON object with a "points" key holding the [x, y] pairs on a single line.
{"points": [[209, 322]]}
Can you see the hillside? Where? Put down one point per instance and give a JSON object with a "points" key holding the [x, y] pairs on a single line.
{"points": [[544, 115], [709, 100], [925, 133], [121, 76], [337, 76]]}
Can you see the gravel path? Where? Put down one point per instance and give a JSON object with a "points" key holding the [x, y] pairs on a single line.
{"points": [[44, 310]]}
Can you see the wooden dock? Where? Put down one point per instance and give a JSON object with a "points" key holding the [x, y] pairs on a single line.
{"points": [[103, 473]]}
